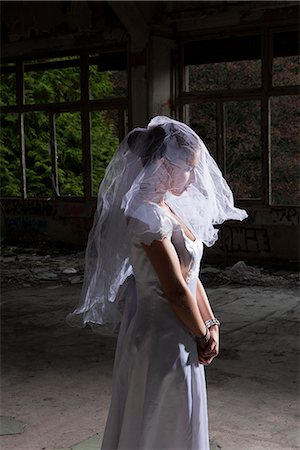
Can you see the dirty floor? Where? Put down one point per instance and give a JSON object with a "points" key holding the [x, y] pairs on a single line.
{"points": [[56, 380]]}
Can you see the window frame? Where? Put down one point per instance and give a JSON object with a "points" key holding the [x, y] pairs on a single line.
{"points": [[220, 96], [84, 106]]}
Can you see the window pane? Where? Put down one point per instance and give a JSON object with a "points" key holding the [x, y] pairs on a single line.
{"points": [[203, 121], [37, 151], [225, 75], [285, 133], [105, 141], [243, 149], [69, 154], [8, 87], [10, 156], [52, 85], [112, 83], [286, 70]]}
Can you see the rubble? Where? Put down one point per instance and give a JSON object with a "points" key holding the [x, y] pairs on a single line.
{"points": [[241, 273], [69, 271], [30, 266]]}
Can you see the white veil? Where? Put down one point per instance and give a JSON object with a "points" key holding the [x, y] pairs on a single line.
{"points": [[147, 161]]}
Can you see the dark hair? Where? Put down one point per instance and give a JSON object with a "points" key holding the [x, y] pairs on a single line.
{"points": [[147, 144]]}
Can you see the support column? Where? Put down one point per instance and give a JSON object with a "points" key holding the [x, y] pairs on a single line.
{"points": [[138, 83], [134, 22], [161, 79]]}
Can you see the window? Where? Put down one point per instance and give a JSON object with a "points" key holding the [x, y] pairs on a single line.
{"points": [[10, 169], [223, 64], [64, 101], [52, 80], [202, 118], [227, 96], [105, 139], [243, 149], [285, 149]]}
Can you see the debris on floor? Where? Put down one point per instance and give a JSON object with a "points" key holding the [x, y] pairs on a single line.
{"points": [[30, 266]]}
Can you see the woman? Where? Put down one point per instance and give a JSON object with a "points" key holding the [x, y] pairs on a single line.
{"points": [[157, 204]]}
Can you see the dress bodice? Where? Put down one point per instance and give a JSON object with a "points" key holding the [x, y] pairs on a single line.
{"points": [[189, 253]]}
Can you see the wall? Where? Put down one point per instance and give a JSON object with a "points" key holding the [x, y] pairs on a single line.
{"points": [[269, 236]]}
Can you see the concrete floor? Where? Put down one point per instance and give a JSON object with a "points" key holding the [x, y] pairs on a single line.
{"points": [[57, 380]]}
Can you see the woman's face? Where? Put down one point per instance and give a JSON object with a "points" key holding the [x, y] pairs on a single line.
{"points": [[181, 175]]}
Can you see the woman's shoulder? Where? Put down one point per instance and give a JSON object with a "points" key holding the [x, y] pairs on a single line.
{"points": [[150, 222]]}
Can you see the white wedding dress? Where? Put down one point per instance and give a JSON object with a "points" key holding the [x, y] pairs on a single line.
{"points": [[158, 387]]}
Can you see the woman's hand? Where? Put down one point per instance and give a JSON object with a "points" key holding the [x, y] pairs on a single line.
{"points": [[211, 350]]}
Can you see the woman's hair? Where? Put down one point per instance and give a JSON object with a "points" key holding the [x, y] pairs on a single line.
{"points": [[148, 145]]}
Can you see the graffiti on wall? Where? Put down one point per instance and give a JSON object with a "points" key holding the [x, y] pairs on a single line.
{"points": [[241, 239], [285, 216], [59, 220]]}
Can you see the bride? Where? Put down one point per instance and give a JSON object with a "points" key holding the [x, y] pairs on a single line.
{"points": [[157, 206]]}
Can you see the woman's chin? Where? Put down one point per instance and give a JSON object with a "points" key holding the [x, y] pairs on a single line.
{"points": [[177, 192]]}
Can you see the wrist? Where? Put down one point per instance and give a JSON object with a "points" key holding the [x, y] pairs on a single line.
{"points": [[204, 339]]}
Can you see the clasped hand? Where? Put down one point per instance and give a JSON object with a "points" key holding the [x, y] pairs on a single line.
{"points": [[207, 353]]}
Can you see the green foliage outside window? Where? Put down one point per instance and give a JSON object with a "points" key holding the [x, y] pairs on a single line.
{"points": [[54, 86], [9, 156]]}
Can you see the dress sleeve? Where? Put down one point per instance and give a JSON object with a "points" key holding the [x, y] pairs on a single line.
{"points": [[149, 223]]}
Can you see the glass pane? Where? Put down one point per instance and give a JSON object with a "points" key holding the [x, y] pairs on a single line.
{"points": [[69, 154], [37, 151], [10, 156], [8, 88], [286, 70], [285, 135], [52, 85], [203, 121], [105, 141], [225, 75], [243, 149], [112, 83]]}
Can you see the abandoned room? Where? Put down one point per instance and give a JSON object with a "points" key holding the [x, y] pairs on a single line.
{"points": [[76, 78]]}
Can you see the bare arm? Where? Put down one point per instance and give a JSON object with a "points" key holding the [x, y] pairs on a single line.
{"points": [[212, 350], [164, 259], [203, 302]]}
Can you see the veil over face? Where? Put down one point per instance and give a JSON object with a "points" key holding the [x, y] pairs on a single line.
{"points": [[165, 161]]}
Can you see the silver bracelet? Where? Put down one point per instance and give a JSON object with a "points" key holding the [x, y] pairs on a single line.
{"points": [[210, 322]]}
